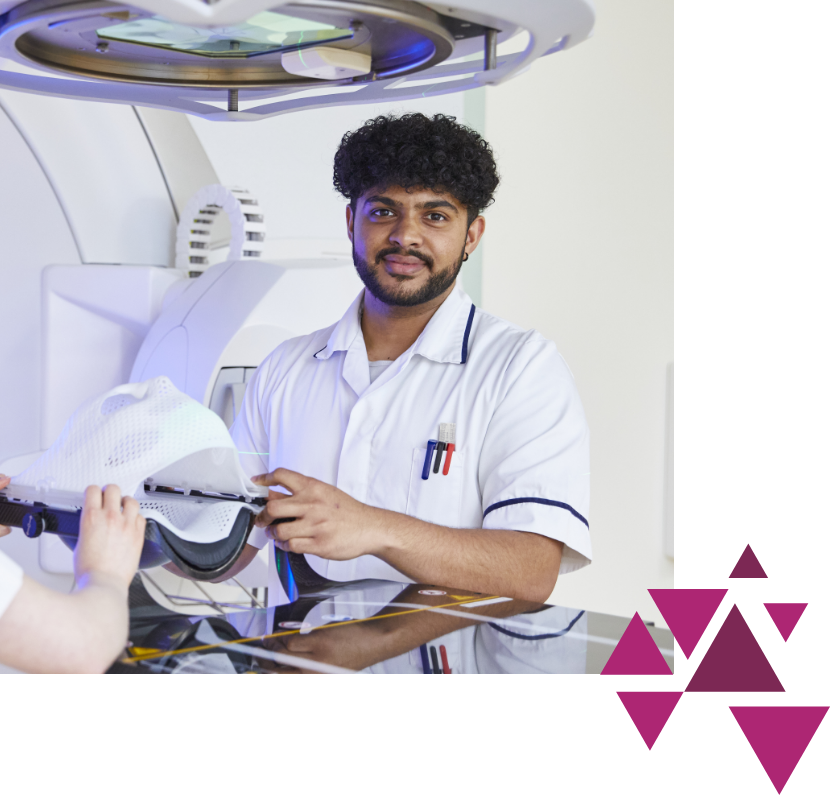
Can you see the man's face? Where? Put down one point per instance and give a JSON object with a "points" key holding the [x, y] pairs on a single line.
{"points": [[408, 248]]}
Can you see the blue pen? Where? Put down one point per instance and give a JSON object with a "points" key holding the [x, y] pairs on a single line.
{"points": [[425, 471], [425, 660]]}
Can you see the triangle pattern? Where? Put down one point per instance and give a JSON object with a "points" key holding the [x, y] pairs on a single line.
{"points": [[735, 663], [688, 612], [748, 566], [636, 653], [785, 615], [649, 712], [779, 736]]}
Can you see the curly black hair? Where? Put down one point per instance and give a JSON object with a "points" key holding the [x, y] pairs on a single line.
{"points": [[415, 151]]}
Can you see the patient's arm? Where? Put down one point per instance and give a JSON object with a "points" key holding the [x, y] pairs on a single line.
{"points": [[246, 556], [42, 631], [47, 632]]}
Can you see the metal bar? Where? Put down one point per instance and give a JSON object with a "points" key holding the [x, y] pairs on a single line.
{"points": [[233, 100], [189, 600], [208, 596], [186, 601], [252, 596], [490, 49]]}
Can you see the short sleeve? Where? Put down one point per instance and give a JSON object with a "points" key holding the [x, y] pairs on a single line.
{"points": [[11, 578], [534, 467], [249, 434]]}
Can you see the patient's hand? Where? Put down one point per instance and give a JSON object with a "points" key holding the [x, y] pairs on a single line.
{"points": [[110, 539], [4, 481]]}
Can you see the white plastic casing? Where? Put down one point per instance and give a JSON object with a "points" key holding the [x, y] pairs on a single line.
{"points": [[236, 313], [326, 63]]}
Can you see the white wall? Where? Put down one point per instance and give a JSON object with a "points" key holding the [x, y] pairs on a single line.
{"points": [[579, 246]]}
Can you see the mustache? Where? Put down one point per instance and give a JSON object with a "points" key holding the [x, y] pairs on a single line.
{"points": [[385, 252]]}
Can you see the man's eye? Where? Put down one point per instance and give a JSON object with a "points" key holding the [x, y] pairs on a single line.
{"points": [[382, 211], [436, 217]]}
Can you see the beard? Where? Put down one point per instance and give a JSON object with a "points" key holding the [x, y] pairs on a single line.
{"points": [[436, 284]]}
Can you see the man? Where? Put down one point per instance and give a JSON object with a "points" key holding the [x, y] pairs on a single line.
{"points": [[344, 416], [42, 631]]}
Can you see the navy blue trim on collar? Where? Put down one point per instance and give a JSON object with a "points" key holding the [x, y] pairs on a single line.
{"points": [[539, 501], [537, 637], [467, 333], [321, 350]]}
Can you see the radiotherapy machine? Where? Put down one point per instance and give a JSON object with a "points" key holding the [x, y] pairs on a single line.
{"points": [[126, 261]]}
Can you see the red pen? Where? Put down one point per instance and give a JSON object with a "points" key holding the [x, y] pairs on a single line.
{"points": [[447, 433], [450, 448], [444, 663]]}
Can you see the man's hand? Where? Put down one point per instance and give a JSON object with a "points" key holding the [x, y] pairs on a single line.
{"points": [[111, 537], [327, 521], [332, 525], [4, 481]]}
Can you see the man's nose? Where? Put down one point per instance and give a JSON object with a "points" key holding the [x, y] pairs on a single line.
{"points": [[406, 233]]}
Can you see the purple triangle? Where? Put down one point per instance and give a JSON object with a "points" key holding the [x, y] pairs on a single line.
{"points": [[779, 736], [748, 567], [636, 653], [687, 611], [785, 615], [649, 712], [735, 662]]}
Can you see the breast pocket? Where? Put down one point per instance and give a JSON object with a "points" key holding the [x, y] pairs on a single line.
{"points": [[439, 498]]}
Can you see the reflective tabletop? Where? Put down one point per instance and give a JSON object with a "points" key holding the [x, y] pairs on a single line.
{"points": [[375, 627]]}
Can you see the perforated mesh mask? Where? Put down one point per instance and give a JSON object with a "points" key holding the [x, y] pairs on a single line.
{"points": [[145, 432]]}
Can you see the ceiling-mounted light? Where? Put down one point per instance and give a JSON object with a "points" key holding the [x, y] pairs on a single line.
{"points": [[227, 59]]}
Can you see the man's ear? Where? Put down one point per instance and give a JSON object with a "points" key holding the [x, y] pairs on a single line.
{"points": [[474, 234], [350, 222]]}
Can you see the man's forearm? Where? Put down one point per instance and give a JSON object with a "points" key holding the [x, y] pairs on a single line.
{"points": [[504, 562], [330, 523]]}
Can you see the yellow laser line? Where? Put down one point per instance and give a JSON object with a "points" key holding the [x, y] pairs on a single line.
{"points": [[156, 655]]}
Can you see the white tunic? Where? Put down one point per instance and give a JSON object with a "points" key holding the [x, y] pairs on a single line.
{"points": [[522, 443]]}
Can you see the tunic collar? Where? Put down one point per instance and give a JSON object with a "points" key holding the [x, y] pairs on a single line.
{"points": [[446, 338]]}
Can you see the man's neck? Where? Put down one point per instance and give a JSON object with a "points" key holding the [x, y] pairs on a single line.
{"points": [[391, 330]]}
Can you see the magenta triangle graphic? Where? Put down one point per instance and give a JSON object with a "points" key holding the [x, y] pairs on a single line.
{"points": [[748, 566], [785, 615], [649, 712], [687, 611], [779, 736], [734, 662], [636, 653]]}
